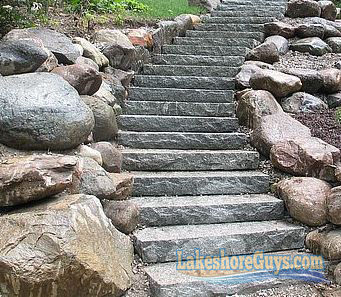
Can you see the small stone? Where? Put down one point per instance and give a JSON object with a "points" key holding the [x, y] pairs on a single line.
{"points": [[303, 8], [185, 23], [310, 30], [312, 45], [124, 185], [302, 102], [335, 44], [124, 215], [305, 199], [266, 52], [334, 206], [124, 77], [281, 43], [141, 37], [328, 10], [87, 63], [337, 274], [331, 80], [111, 156], [105, 94], [279, 84], [86, 80], [88, 152], [242, 79], [279, 28], [334, 100]]}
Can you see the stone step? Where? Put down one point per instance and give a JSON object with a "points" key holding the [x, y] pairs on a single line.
{"points": [[159, 244], [256, 12], [170, 183], [238, 20], [225, 34], [253, 3], [240, 7], [185, 82], [182, 141], [205, 50], [180, 108], [156, 123], [242, 42], [188, 70], [198, 60], [166, 281], [180, 95], [188, 160], [196, 210], [230, 27]]}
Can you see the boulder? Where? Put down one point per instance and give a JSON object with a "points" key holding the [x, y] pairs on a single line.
{"points": [[334, 100], [331, 79], [337, 274], [242, 79], [111, 156], [116, 87], [306, 157], [335, 44], [334, 206], [124, 185], [302, 102], [92, 52], [184, 23], [94, 180], [279, 84], [125, 77], [142, 57], [281, 43], [59, 44], [124, 215], [276, 128], [305, 199], [141, 37], [208, 4], [87, 63], [29, 178], [88, 152], [326, 243], [331, 31], [86, 80], [328, 10], [303, 8], [279, 28], [63, 247], [265, 52], [310, 30], [311, 80], [20, 56], [116, 47], [312, 45], [253, 105], [42, 111], [105, 94], [105, 120], [260, 64]]}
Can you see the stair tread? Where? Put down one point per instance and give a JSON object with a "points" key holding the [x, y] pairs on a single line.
{"points": [[184, 174]]}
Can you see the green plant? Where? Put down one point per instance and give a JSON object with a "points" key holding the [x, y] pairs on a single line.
{"points": [[338, 115]]}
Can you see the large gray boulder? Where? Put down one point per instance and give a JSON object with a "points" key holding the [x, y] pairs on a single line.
{"points": [[278, 83], [63, 247], [242, 79], [303, 8], [281, 43], [25, 179], [335, 44], [275, 128], [328, 10], [255, 104], [20, 56], [59, 44], [312, 45], [266, 52], [42, 111], [105, 120], [310, 30], [302, 102], [305, 199]]}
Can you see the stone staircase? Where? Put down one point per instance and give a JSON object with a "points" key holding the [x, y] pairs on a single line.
{"points": [[196, 184]]}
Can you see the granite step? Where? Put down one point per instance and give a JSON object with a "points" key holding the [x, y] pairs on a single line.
{"points": [[253, 3], [256, 12], [242, 42], [182, 183], [184, 82], [238, 20], [259, 36], [196, 210], [159, 244], [189, 160], [238, 7], [163, 108], [198, 60], [182, 141], [180, 95], [230, 27], [188, 70], [156, 123], [205, 50], [166, 281]]}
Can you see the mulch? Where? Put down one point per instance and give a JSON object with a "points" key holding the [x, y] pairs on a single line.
{"points": [[323, 124]]}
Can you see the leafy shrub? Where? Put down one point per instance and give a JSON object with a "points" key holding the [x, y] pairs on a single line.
{"points": [[338, 115]]}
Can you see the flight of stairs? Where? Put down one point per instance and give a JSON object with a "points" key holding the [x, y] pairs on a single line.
{"points": [[196, 184]]}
